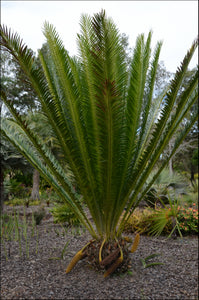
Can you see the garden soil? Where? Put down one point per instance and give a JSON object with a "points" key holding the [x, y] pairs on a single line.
{"points": [[42, 275]]}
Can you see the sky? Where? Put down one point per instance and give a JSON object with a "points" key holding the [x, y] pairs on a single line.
{"points": [[173, 22]]}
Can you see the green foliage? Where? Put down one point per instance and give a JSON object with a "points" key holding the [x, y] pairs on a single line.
{"points": [[7, 225], [12, 186], [62, 213], [39, 215], [108, 125], [23, 177], [188, 219], [166, 179], [14, 81], [62, 252], [140, 221], [154, 196], [11, 159], [191, 197], [194, 158], [151, 264], [182, 220], [175, 185], [16, 182], [21, 201], [164, 218], [15, 229], [49, 196]]}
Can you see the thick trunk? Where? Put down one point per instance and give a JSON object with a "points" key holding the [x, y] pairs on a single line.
{"points": [[35, 188]]}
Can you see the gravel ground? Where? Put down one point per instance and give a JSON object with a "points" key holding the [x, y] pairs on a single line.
{"points": [[42, 275]]}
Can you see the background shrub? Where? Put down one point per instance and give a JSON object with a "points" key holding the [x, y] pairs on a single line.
{"points": [[62, 213], [163, 220]]}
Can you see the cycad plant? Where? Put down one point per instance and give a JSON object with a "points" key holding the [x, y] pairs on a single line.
{"points": [[110, 129]]}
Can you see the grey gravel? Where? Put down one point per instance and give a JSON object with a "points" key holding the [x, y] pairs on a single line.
{"points": [[42, 276]]}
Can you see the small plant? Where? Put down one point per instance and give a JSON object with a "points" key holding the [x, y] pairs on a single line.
{"points": [[140, 220], [166, 217], [190, 199], [14, 202], [62, 213], [62, 252], [17, 231], [175, 219], [7, 226], [188, 219], [144, 261], [175, 184], [14, 230], [21, 201], [13, 188], [48, 195], [27, 202], [169, 219], [39, 215], [153, 197]]}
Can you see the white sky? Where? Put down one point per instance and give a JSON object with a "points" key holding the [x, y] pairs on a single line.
{"points": [[174, 22]]}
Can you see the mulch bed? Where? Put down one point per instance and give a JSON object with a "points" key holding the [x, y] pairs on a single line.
{"points": [[42, 275]]}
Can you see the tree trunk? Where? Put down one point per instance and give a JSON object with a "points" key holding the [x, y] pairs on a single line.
{"points": [[193, 182], [35, 188]]}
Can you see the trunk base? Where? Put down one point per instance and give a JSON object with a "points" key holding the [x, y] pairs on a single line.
{"points": [[110, 254], [106, 256]]}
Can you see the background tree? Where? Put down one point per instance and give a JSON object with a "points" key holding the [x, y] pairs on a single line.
{"points": [[186, 159], [163, 78], [128, 51], [15, 83], [182, 160], [40, 125], [11, 162]]}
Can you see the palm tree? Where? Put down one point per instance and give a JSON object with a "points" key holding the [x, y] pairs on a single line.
{"points": [[108, 124]]}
